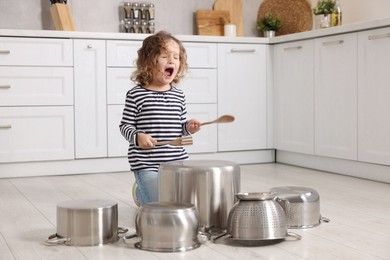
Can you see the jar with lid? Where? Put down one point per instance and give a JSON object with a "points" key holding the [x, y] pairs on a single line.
{"points": [[144, 26], [136, 11], [151, 27], [151, 11], [144, 11], [127, 10]]}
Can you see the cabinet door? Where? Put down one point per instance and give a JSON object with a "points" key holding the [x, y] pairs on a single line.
{"points": [[293, 81], [36, 133], [90, 98], [118, 84], [117, 144], [335, 98], [205, 141], [242, 93], [374, 96], [200, 86]]}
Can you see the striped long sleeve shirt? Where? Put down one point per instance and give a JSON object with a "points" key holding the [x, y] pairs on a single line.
{"points": [[162, 115]]}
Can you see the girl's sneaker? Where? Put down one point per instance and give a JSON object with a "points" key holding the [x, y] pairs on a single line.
{"points": [[136, 201]]}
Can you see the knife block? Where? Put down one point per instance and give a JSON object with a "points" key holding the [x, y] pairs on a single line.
{"points": [[62, 17]]}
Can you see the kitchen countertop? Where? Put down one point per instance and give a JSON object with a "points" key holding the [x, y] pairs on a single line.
{"points": [[353, 27]]}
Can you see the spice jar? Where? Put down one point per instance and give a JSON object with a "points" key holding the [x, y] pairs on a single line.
{"points": [[151, 27], [151, 11]]}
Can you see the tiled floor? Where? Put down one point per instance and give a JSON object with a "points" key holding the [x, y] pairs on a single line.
{"points": [[359, 211]]}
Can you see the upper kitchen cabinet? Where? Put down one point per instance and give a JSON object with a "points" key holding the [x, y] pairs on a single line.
{"points": [[242, 92], [335, 96], [294, 94], [374, 96], [90, 98]]}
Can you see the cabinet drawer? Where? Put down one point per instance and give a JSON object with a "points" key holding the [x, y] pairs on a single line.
{"points": [[122, 53], [30, 52], [200, 86], [118, 83], [201, 55], [21, 86], [36, 134]]}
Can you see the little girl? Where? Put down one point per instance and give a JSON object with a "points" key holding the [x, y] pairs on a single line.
{"points": [[155, 110]]}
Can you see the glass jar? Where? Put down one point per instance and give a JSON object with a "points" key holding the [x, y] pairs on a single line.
{"points": [[151, 27]]}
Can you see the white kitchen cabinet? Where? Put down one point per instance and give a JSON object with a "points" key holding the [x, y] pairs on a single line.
{"points": [[335, 96], [35, 52], [374, 96], [242, 93], [294, 94], [90, 98], [122, 53], [36, 133], [36, 86]]}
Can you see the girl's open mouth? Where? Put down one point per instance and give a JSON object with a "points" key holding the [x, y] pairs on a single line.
{"points": [[168, 72]]}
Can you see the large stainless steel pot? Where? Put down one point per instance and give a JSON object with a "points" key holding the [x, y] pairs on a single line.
{"points": [[86, 223], [257, 216], [208, 184], [301, 205], [167, 227]]}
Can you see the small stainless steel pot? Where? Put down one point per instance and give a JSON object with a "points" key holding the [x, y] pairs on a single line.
{"points": [[301, 205], [167, 227], [86, 223]]}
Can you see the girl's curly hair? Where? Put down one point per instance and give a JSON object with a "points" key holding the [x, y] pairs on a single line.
{"points": [[153, 46]]}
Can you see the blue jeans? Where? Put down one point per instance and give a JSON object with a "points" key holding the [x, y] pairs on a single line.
{"points": [[147, 186]]}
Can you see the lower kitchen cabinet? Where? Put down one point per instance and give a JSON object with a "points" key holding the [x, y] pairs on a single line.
{"points": [[374, 96], [242, 92], [335, 96], [90, 98], [36, 133], [293, 95]]}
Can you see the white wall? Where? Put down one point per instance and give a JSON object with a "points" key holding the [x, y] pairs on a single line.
{"points": [[175, 16]]}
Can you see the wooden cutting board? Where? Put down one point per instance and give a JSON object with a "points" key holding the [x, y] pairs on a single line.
{"points": [[235, 9], [210, 22]]}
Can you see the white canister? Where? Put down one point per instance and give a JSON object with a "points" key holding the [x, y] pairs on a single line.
{"points": [[230, 30]]}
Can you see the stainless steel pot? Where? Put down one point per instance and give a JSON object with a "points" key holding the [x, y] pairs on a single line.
{"points": [[86, 223], [257, 216], [167, 227], [301, 205], [208, 184]]}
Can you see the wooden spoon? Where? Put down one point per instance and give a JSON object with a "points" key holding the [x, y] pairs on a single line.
{"points": [[221, 119]]}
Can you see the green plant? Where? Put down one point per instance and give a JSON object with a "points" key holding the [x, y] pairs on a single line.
{"points": [[269, 23], [324, 7]]}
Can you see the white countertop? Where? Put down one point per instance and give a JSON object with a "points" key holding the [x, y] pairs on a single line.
{"points": [[353, 27]]}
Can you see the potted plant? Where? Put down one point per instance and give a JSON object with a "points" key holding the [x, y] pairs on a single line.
{"points": [[269, 25], [323, 12]]}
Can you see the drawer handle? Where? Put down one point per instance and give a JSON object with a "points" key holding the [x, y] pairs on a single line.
{"points": [[333, 43], [293, 48], [89, 46], [243, 50], [379, 36], [5, 86], [5, 52], [5, 126]]}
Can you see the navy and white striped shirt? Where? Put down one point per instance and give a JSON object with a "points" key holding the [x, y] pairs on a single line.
{"points": [[162, 115]]}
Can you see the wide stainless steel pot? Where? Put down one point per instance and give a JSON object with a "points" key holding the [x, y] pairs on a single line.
{"points": [[301, 205], [86, 223], [208, 184], [167, 227]]}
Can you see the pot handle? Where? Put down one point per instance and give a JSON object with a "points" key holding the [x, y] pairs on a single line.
{"points": [[296, 236], [130, 236], [54, 240], [122, 230], [323, 219], [223, 234]]}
